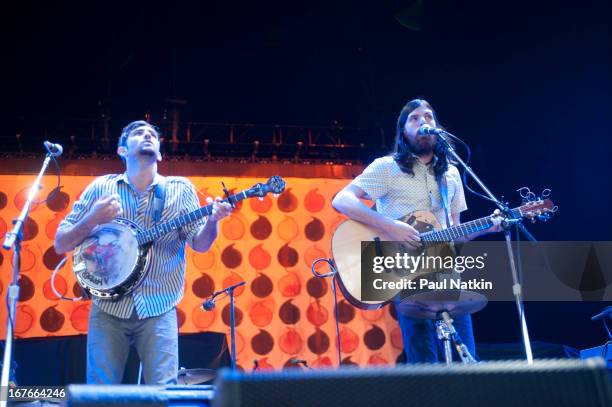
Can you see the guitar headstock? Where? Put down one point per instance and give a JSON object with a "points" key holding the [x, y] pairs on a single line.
{"points": [[275, 185], [536, 207]]}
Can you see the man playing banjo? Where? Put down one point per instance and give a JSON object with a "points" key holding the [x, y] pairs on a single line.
{"points": [[145, 316]]}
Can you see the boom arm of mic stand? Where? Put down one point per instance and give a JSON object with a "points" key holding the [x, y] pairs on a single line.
{"points": [[226, 290], [451, 150], [9, 239]]}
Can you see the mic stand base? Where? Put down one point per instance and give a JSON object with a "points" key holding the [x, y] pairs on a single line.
{"points": [[448, 333], [444, 336]]}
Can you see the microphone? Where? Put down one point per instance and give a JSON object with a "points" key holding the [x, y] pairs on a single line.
{"points": [[55, 150], [208, 305], [425, 129]]}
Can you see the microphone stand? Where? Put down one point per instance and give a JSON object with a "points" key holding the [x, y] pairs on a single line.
{"points": [[229, 291], [507, 225], [13, 240]]}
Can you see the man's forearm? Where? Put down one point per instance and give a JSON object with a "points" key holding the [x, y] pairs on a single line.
{"points": [[205, 236], [68, 237], [352, 207]]}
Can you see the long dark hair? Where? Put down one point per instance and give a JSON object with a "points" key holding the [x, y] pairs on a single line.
{"points": [[403, 154]]}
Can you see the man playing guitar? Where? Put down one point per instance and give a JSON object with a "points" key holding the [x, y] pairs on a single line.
{"points": [[404, 182]]}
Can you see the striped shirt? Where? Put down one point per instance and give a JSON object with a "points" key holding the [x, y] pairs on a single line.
{"points": [[397, 194], [163, 286]]}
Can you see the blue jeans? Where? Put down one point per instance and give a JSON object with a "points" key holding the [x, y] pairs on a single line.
{"points": [[108, 344], [421, 342]]}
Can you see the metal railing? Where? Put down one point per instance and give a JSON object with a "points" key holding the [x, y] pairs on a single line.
{"points": [[199, 140]]}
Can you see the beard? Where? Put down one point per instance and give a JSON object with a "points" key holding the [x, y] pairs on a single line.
{"points": [[422, 145], [147, 152]]}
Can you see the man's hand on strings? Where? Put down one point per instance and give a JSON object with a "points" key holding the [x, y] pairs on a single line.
{"points": [[220, 209]]}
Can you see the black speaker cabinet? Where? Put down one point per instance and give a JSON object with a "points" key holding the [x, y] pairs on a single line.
{"points": [[514, 383]]}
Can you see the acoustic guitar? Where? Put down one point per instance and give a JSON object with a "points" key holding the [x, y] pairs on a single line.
{"points": [[347, 249]]}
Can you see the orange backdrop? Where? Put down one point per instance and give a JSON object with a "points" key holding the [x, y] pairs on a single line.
{"points": [[282, 312]]}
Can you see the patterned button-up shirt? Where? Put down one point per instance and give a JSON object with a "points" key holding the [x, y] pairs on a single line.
{"points": [[396, 193], [163, 286]]}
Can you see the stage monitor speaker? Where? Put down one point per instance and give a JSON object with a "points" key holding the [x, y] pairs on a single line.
{"points": [[84, 395], [514, 383], [603, 351]]}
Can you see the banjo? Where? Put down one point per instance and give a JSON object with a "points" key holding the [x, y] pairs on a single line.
{"points": [[112, 261]]}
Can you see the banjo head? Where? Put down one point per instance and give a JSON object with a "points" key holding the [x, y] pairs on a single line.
{"points": [[107, 257]]}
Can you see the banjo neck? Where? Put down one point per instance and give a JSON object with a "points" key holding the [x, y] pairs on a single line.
{"points": [[149, 235], [159, 230]]}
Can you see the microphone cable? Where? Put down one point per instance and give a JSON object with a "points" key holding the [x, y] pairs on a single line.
{"points": [[57, 293], [331, 274], [468, 157]]}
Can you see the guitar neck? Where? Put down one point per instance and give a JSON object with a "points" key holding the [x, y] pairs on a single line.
{"points": [[464, 229], [162, 229]]}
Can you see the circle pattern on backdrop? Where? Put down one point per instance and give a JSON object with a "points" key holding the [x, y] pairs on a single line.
{"points": [[282, 313]]}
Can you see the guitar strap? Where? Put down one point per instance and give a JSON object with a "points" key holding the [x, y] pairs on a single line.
{"points": [[159, 199], [443, 187]]}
